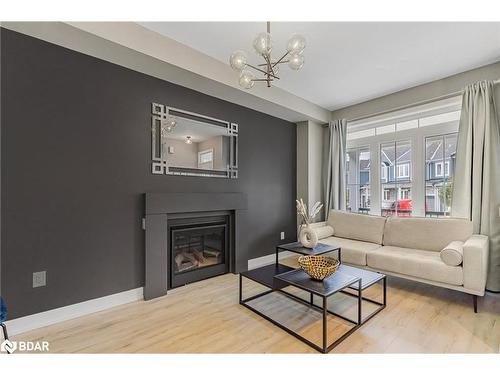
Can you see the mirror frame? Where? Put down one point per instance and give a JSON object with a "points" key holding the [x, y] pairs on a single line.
{"points": [[160, 113]]}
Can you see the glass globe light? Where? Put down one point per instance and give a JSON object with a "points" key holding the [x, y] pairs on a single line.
{"points": [[296, 61], [238, 60], [296, 44], [263, 43], [246, 79]]}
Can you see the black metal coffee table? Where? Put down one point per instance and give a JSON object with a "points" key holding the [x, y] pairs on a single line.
{"points": [[348, 280]]}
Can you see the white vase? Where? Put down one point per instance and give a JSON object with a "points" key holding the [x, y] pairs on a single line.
{"points": [[308, 237]]}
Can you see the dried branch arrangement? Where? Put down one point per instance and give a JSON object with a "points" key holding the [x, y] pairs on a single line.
{"points": [[308, 217]]}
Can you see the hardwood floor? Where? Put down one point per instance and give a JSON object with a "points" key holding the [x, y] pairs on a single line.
{"points": [[205, 317]]}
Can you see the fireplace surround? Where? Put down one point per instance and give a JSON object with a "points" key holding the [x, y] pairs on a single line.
{"points": [[191, 236]]}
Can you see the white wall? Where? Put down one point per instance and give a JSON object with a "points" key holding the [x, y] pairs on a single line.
{"points": [[309, 163]]}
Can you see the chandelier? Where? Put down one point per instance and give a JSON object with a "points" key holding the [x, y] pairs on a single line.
{"points": [[263, 46]]}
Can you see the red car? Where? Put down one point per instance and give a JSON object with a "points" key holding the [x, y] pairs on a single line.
{"points": [[402, 207]]}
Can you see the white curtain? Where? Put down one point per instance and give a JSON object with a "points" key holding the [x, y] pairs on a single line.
{"points": [[334, 163], [476, 186]]}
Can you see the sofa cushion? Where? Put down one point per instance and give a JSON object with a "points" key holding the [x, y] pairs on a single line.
{"points": [[353, 252], [452, 254], [357, 226], [323, 231], [417, 263], [425, 233]]}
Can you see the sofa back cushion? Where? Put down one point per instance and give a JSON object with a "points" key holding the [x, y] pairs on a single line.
{"points": [[425, 233], [357, 226]]}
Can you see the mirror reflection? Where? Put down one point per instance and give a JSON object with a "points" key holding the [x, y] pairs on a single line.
{"points": [[191, 144], [195, 145]]}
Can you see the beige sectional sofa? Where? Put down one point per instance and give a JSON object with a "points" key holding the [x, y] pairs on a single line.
{"points": [[410, 247]]}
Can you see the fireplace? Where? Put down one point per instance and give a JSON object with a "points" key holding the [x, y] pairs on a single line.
{"points": [[199, 248], [191, 236]]}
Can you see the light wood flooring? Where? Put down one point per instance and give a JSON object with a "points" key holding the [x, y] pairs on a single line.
{"points": [[205, 317]]}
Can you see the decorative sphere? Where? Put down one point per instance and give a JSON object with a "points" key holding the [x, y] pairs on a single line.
{"points": [[296, 44], [296, 61], [238, 60], [246, 79], [263, 43]]}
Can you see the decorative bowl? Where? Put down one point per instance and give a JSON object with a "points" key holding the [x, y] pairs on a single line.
{"points": [[317, 266]]}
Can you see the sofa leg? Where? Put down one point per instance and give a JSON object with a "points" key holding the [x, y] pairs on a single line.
{"points": [[474, 301]]}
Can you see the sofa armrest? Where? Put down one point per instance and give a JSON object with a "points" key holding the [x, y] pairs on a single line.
{"points": [[475, 263]]}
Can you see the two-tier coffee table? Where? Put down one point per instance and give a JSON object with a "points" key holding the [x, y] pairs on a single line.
{"points": [[348, 280]]}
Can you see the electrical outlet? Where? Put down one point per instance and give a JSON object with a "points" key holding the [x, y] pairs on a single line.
{"points": [[39, 279], [282, 235]]}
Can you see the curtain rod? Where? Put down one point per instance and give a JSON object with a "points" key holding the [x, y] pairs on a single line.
{"points": [[406, 106]]}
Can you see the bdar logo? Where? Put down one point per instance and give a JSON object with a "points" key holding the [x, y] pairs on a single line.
{"points": [[8, 346]]}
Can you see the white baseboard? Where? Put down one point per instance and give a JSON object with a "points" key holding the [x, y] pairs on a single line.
{"points": [[46, 318], [267, 259]]}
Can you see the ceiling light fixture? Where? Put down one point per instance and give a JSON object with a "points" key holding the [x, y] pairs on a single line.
{"points": [[189, 140], [263, 46], [168, 125]]}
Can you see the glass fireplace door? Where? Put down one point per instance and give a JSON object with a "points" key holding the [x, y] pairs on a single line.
{"points": [[197, 252]]}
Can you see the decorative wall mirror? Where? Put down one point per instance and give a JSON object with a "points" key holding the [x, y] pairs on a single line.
{"points": [[189, 144]]}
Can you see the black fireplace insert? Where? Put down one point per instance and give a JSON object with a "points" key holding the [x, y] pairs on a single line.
{"points": [[199, 248]]}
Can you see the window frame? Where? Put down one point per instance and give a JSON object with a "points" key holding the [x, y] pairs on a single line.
{"points": [[436, 165], [417, 136], [445, 169]]}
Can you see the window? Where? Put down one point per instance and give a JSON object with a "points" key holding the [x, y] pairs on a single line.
{"points": [[357, 166], [206, 159], [438, 169], [396, 199], [440, 153], [383, 173], [387, 194], [404, 170], [407, 150]]}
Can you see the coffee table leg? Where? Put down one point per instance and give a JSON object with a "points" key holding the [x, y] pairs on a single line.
{"points": [[311, 301], [385, 291], [325, 336], [359, 301], [276, 256], [240, 294]]}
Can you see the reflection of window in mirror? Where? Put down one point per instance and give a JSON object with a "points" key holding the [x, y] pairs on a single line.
{"points": [[206, 159]]}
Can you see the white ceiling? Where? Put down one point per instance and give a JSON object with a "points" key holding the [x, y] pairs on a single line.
{"points": [[351, 62]]}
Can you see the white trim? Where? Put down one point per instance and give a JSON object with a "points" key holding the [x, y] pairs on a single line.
{"points": [[46, 318], [267, 259]]}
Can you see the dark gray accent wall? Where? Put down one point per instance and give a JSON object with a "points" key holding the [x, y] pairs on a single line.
{"points": [[75, 163]]}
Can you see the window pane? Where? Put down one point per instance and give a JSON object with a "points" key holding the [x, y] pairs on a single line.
{"points": [[351, 167], [403, 160], [364, 199], [439, 119], [351, 196], [439, 164], [389, 200], [386, 129], [387, 162], [358, 180], [450, 153]]}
